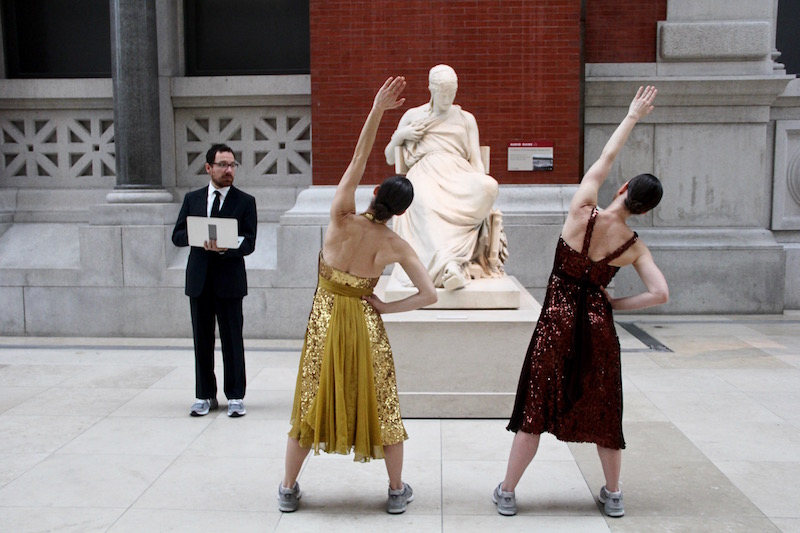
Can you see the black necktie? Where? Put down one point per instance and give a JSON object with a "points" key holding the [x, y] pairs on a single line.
{"points": [[215, 205]]}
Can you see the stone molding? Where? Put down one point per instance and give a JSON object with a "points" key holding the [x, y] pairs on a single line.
{"points": [[714, 41]]}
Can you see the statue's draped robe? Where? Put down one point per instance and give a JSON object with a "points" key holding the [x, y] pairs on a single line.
{"points": [[452, 201]]}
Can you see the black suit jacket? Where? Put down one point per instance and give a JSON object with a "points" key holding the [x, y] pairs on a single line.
{"points": [[225, 271]]}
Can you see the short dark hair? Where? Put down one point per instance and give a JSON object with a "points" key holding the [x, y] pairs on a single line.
{"points": [[644, 193], [394, 196], [211, 155]]}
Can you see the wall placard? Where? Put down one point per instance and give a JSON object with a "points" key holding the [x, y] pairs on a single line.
{"points": [[532, 155]]}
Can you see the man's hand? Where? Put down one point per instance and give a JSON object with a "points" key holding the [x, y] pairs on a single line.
{"points": [[211, 246]]}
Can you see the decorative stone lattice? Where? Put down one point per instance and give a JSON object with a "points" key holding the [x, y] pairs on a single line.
{"points": [[272, 144], [57, 149]]}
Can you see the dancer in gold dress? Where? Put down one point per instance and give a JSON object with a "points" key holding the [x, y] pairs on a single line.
{"points": [[346, 394]]}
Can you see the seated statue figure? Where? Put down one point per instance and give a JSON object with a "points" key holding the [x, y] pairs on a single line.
{"points": [[451, 223]]}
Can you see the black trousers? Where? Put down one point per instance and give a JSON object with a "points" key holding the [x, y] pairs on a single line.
{"points": [[227, 312]]}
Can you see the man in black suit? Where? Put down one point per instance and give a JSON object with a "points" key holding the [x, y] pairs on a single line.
{"points": [[216, 282]]}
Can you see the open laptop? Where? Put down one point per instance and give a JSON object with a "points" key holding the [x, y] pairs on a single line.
{"points": [[224, 230]]}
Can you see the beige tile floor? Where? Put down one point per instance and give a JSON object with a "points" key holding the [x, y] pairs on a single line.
{"points": [[95, 436]]}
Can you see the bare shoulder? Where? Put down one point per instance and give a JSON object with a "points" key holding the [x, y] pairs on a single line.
{"points": [[639, 249], [395, 247], [637, 252], [578, 215]]}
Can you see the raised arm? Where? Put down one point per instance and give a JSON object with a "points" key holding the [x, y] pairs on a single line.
{"points": [[344, 201], [640, 107]]}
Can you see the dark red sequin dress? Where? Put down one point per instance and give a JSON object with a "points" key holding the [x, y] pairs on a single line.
{"points": [[571, 381]]}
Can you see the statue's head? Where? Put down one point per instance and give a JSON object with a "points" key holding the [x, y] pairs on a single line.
{"points": [[443, 84], [392, 197], [442, 74]]}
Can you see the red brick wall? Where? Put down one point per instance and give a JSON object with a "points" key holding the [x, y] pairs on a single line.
{"points": [[622, 31], [518, 61]]}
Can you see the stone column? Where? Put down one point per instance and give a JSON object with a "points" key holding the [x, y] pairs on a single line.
{"points": [[137, 130]]}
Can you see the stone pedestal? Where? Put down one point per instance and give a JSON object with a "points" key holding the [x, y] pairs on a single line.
{"points": [[483, 293], [460, 363]]}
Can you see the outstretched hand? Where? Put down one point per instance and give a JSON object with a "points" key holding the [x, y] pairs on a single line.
{"points": [[642, 103], [387, 97]]}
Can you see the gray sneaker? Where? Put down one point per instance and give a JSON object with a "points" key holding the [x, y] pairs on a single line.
{"points": [[288, 498], [398, 499], [236, 408], [506, 502], [612, 502], [202, 407]]}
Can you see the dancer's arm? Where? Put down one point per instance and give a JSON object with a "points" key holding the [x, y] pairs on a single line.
{"points": [[640, 107], [656, 293], [418, 275], [344, 201]]}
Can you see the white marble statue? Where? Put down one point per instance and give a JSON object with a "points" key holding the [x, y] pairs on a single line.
{"points": [[450, 224]]}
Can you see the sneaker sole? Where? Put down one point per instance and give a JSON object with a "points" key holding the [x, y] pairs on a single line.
{"points": [[236, 415]]}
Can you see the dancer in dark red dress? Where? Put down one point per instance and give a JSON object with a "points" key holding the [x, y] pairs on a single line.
{"points": [[571, 381]]}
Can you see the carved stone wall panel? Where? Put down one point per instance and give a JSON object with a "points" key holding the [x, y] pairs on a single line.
{"points": [[786, 176], [273, 144], [57, 149]]}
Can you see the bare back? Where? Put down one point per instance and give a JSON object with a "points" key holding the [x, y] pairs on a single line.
{"points": [[361, 247], [608, 235]]}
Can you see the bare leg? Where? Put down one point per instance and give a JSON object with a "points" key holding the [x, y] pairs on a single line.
{"points": [[295, 455], [394, 465], [522, 453], [612, 464]]}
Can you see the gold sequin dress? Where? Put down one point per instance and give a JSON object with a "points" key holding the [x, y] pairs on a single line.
{"points": [[346, 393], [571, 381]]}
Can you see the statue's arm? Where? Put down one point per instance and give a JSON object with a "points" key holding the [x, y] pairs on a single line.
{"points": [[406, 131], [474, 143]]}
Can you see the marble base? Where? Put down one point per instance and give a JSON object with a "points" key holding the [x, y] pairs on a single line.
{"points": [[484, 293], [460, 363]]}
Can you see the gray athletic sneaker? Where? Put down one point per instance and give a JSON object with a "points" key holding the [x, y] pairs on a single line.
{"points": [[398, 499], [288, 498], [612, 502], [202, 407], [236, 408], [506, 502]]}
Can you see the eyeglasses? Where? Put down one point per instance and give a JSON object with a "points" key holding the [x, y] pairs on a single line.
{"points": [[224, 165]]}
